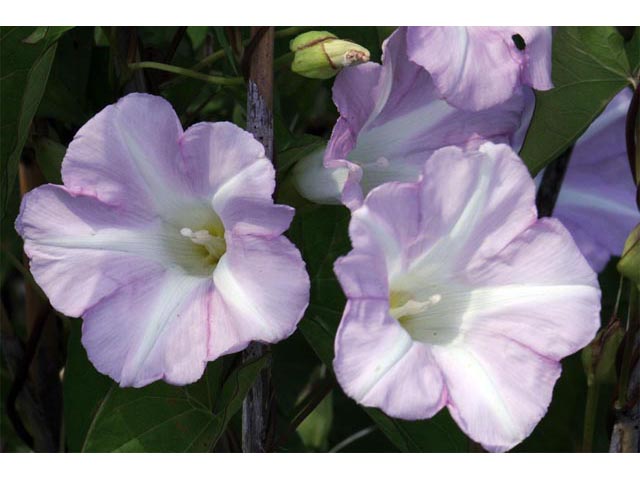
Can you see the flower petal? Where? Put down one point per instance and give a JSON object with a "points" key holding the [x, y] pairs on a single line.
{"points": [[151, 329], [379, 365], [405, 122], [237, 177], [72, 237], [498, 389], [388, 223], [597, 199], [318, 183], [128, 156], [262, 291], [539, 291], [462, 75], [473, 205]]}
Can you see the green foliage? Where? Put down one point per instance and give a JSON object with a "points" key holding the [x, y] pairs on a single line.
{"points": [[629, 264], [102, 417], [26, 57], [65, 97], [633, 52], [49, 155], [590, 67]]}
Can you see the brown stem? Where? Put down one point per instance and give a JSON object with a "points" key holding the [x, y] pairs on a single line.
{"points": [[626, 430], [551, 183], [257, 412]]}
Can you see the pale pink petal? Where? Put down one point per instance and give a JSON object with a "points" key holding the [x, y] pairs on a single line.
{"points": [[128, 156], [498, 389], [82, 250], [390, 134], [388, 223], [536, 61], [363, 274], [379, 365], [237, 178], [154, 328], [262, 291], [473, 205], [475, 68], [539, 291]]}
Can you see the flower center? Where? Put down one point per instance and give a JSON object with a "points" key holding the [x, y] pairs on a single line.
{"points": [[428, 316], [198, 247], [213, 244]]}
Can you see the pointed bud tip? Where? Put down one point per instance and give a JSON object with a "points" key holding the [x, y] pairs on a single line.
{"points": [[320, 54]]}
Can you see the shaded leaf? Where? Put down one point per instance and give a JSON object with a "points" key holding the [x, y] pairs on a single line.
{"points": [[49, 155], [629, 264], [197, 35], [65, 97], [102, 417], [24, 70], [590, 67], [42, 33], [314, 430], [633, 52]]}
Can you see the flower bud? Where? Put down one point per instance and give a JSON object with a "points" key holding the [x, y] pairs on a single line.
{"points": [[322, 54], [315, 182]]}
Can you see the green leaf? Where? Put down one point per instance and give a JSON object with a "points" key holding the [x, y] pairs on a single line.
{"points": [[102, 417], [222, 40], [197, 35], [65, 97], [42, 33], [590, 67], [24, 71], [633, 52], [629, 264], [314, 430], [49, 155], [599, 357], [321, 234]]}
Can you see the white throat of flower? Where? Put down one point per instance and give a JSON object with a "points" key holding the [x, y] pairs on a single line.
{"points": [[214, 245], [428, 316]]}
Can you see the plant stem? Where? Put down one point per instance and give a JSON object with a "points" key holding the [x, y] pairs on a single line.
{"points": [[590, 414], [208, 60], [625, 436], [257, 406], [630, 338], [187, 73], [352, 438], [551, 183]]}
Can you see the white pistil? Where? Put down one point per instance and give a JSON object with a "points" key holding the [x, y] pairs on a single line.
{"points": [[215, 245], [411, 307]]}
